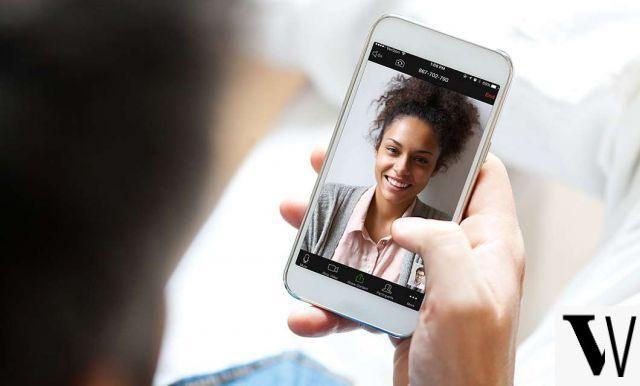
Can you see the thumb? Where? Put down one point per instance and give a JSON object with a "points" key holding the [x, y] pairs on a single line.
{"points": [[452, 276], [424, 236], [431, 238]]}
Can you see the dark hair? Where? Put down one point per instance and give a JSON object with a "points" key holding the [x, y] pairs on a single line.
{"points": [[451, 115], [420, 269], [104, 154]]}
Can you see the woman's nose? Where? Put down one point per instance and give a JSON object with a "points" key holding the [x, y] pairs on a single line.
{"points": [[402, 166]]}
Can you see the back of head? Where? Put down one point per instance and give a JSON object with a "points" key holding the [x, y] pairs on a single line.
{"points": [[104, 154]]}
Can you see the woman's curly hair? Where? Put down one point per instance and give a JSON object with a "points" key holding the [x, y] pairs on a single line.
{"points": [[451, 115]]}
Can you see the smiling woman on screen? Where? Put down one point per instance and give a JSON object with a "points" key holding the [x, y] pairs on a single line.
{"points": [[419, 131]]}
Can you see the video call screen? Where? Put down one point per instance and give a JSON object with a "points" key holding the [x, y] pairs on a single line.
{"points": [[406, 149]]}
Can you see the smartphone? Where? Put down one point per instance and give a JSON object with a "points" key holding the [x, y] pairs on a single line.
{"points": [[413, 132]]}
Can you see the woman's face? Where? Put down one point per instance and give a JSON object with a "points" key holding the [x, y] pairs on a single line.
{"points": [[405, 159]]}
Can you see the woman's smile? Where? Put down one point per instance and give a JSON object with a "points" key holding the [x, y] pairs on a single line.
{"points": [[397, 183]]}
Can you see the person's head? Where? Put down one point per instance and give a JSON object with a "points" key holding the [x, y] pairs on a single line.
{"points": [[105, 153], [419, 131], [419, 275]]}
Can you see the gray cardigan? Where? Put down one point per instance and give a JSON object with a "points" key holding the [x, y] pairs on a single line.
{"points": [[331, 215]]}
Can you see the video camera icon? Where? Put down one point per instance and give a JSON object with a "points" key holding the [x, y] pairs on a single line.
{"points": [[399, 63]]}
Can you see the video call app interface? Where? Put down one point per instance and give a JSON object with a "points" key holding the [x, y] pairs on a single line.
{"points": [[406, 147]]}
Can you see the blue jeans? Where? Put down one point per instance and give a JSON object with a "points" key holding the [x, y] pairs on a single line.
{"points": [[287, 369]]}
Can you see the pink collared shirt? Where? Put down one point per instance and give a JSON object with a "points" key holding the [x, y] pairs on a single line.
{"points": [[357, 250]]}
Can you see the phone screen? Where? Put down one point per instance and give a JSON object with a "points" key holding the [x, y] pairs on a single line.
{"points": [[406, 149]]}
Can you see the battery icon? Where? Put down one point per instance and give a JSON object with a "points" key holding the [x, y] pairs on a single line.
{"points": [[494, 86]]}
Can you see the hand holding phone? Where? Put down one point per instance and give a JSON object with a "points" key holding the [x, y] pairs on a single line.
{"points": [[467, 328]]}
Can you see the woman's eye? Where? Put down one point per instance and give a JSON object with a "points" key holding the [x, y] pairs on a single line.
{"points": [[422, 161], [392, 150]]}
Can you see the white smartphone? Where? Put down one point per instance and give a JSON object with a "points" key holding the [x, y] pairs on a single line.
{"points": [[414, 130]]}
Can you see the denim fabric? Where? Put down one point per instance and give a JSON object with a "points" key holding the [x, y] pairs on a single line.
{"points": [[287, 369]]}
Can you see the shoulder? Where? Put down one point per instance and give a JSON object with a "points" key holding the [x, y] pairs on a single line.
{"points": [[425, 211], [341, 192]]}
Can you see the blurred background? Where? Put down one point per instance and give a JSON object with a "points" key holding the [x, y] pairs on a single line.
{"points": [[288, 72], [105, 149]]}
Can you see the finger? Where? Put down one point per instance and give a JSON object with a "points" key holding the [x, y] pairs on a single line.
{"points": [[491, 213], [293, 212], [317, 158], [401, 362], [446, 253], [427, 237], [398, 341], [312, 321], [492, 192]]}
